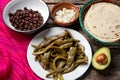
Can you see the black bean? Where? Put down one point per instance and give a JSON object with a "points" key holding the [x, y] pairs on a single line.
{"points": [[21, 24], [26, 19], [21, 27], [10, 14], [13, 20], [33, 27], [15, 26], [25, 8], [25, 26]]}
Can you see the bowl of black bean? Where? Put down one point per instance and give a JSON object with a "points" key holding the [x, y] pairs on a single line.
{"points": [[25, 16]]}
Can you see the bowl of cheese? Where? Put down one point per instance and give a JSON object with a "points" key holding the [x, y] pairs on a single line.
{"points": [[64, 13]]}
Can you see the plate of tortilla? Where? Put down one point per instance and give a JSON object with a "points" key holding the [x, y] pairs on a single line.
{"points": [[101, 21]]}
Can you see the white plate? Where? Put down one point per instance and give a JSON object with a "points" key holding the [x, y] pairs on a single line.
{"points": [[36, 5], [36, 67]]}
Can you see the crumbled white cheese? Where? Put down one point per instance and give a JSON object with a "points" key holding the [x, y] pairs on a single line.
{"points": [[65, 15]]}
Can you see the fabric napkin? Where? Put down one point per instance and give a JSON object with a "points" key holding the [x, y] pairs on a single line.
{"points": [[13, 47]]}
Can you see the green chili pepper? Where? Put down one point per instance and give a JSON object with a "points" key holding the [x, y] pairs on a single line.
{"points": [[71, 54]]}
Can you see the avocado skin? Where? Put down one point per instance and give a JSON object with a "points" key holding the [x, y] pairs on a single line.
{"points": [[97, 66]]}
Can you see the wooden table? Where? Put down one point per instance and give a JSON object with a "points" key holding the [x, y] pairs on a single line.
{"points": [[113, 71]]}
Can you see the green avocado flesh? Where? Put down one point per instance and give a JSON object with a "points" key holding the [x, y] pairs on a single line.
{"points": [[98, 66]]}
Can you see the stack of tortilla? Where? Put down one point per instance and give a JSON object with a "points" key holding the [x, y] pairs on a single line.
{"points": [[103, 21]]}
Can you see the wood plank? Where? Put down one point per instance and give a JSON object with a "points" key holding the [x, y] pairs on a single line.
{"points": [[72, 1], [113, 71]]}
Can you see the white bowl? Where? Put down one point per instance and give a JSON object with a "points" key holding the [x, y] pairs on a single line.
{"points": [[36, 5]]}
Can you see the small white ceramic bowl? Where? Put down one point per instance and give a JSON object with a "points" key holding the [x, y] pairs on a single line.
{"points": [[36, 5]]}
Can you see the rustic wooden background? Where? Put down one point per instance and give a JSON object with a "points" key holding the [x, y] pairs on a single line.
{"points": [[113, 71]]}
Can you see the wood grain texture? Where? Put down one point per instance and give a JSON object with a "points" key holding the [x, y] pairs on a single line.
{"points": [[113, 71]]}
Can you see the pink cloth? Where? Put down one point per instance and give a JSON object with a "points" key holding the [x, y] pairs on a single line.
{"points": [[14, 45]]}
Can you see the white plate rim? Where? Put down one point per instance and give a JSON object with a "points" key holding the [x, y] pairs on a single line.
{"points": [[40, 72]]}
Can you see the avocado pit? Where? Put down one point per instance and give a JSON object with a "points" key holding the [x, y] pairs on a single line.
{"points": [[102, 59]]}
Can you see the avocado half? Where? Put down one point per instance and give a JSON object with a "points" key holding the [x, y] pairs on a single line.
{"points": [[106, 52]]}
